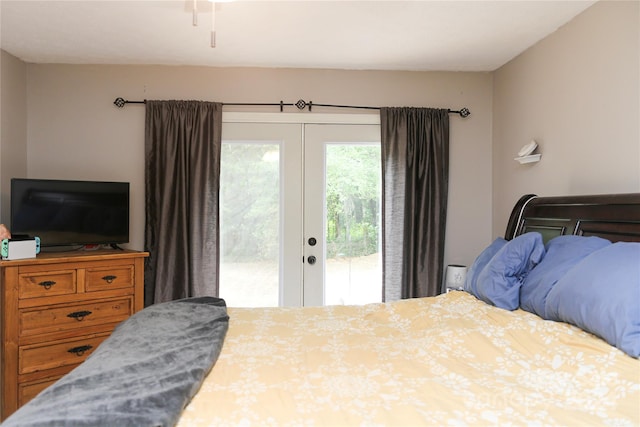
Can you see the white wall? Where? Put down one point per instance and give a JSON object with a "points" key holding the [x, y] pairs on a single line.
{"points": [[75, 131], [13, 126], [577, 94]]}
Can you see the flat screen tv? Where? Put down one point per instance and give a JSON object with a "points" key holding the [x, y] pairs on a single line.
{"points": [[68, 213]]}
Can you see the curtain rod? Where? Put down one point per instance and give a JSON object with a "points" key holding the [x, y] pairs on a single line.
{"points": [[300, 104]]}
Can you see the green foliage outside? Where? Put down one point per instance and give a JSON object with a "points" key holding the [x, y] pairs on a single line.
{"points": [[250, 202], [250, 185], [352, 198]]}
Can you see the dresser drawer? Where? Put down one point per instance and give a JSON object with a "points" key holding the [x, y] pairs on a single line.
{"points": [[27, 391], [38, 357], [47, 283], [49, 319], [107, 278]]}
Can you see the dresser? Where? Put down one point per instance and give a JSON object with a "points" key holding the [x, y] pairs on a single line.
{"points": [[56, 309]]}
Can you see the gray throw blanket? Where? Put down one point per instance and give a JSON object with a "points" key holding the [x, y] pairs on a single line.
{"points": [[144, 374]]}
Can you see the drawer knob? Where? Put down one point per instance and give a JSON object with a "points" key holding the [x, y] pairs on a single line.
{"points": [[109, 279], [79, 315], [47, 284], [80, 350]]}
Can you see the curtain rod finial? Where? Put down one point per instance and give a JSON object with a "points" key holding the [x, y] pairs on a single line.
{"points": [[464, 112], [119, 102]]}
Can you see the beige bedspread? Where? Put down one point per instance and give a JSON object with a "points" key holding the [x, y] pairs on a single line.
{"points": [[448, 360]]}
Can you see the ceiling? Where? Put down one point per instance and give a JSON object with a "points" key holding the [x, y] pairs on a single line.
{"points": [[451, 35]]}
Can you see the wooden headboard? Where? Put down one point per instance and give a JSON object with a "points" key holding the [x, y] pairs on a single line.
{"points": [[615, 217]]}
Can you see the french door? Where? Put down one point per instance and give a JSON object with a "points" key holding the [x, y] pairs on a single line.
{"points": [[300, 214]]}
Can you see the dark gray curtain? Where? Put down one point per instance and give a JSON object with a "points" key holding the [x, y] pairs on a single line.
{"points": [[182, 159], [415, 180]]}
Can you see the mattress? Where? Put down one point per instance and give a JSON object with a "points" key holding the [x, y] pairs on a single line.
{"points": [[450, 359]]}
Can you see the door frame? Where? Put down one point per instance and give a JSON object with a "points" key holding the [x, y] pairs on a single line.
{"points": [[301, 118]]}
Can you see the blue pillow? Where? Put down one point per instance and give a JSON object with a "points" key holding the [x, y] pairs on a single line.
{"points": [[500, 280], [470, 284], [562, 253], [601, 294]]}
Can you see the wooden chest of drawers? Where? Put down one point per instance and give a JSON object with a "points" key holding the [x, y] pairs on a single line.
{"points": [[56, 309]]}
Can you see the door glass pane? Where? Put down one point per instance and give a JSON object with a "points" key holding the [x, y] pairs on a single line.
{"points": [[352, 206], [250, 223]]}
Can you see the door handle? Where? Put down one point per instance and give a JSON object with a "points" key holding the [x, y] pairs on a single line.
{"points": [[311, 260]]}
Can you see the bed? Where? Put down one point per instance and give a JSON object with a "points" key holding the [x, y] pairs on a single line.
{"points": [[546, 332]]}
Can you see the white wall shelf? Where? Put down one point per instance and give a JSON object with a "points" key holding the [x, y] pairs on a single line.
{"points": [[532, 158]]}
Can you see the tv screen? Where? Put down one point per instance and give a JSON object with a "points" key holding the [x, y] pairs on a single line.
{"points": [[63, 213]]}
